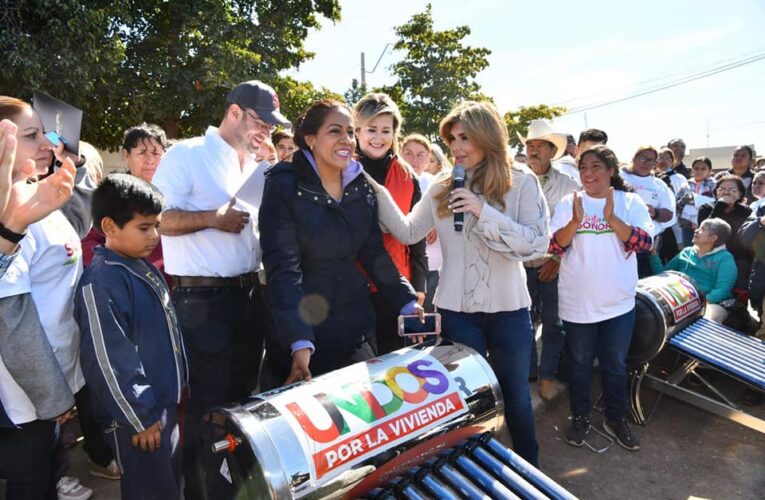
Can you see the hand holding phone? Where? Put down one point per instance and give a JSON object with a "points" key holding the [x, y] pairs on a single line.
{"points": [[414, 325]]}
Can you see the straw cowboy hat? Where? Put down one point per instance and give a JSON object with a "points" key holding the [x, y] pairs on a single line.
{"points": [[541, 130]]}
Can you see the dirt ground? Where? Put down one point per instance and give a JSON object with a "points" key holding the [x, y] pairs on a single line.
{"points": [[686, 453]]}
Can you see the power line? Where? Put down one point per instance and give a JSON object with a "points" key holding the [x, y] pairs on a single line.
{"points": [[681, 81], [693, 71]]}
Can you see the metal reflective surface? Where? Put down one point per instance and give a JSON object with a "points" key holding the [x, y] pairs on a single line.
{"points": [[271, 459], [664, 304]]}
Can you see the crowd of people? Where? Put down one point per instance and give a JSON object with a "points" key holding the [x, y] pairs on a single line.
{"points": [[267, 252]]}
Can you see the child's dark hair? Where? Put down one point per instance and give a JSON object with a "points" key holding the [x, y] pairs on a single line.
{"points": [[607, 156], [122, 196], [145, 131], [313, 119]]}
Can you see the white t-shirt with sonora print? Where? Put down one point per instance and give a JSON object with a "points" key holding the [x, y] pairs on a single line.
{"points": [[598, 277]]}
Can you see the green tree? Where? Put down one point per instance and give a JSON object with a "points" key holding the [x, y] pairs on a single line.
{"points": [[437, 71], [170, 63], [296, 96], [355, 93], [518, 121]]}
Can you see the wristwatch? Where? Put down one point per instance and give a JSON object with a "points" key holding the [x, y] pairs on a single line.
{"points": [[9, 235]]}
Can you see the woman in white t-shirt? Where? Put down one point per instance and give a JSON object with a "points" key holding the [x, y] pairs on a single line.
{"points": [[655, 193], [597, 233]]}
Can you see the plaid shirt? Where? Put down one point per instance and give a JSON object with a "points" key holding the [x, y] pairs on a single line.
{"points": [[639, 241]]}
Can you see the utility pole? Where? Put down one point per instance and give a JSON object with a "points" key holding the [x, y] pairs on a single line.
{"points": [[363, 71], [707, 132]]}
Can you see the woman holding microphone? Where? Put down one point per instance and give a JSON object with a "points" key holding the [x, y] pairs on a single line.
{"points": [[482, 294]]}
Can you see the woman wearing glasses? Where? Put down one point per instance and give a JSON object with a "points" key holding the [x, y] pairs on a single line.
{"points": [[654, 192], [730, 207]]}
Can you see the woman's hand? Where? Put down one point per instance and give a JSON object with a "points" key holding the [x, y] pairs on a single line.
{"points": [[30, 202], [300, 361], [464, 200], [577, 213], [608, 209], [62, 154]]}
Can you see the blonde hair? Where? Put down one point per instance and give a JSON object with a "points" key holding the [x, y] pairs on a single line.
{"points": [[376, 104], [486, 130], [417, 138]]}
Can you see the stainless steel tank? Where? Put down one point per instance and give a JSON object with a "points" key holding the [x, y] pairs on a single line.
{"points": [[664, 304], [348, 431]]}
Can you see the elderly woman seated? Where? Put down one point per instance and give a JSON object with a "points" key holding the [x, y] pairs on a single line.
{"points": [[708, 263]]}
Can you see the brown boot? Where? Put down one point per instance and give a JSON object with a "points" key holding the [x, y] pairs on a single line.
{"points": [[548, 389]]}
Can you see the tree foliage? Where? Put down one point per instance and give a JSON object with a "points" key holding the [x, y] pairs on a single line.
{"points": [[437, 72], [355, 93], [170, 63], [518, 121]]}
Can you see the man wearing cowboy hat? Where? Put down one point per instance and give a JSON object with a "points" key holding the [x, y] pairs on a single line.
{"points": [[543, 145]]}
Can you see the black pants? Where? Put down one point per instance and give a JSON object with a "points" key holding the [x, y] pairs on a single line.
{"points": [[26, 460], [277, 365], [93, 438], [223, 331], [386, 325]]}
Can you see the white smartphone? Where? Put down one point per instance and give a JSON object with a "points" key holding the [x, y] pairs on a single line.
{"points": [[409, 325]]}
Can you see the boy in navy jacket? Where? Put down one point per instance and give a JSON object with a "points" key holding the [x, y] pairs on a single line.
{"points": [[132, 353]]}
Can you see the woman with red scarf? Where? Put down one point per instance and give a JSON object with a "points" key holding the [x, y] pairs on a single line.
{"points": [[378, 122]]}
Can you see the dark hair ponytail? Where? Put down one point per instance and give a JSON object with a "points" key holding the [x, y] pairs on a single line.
{"points": [[311, 121], [607, 156]]}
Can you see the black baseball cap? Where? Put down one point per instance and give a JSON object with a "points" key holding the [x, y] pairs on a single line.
{"points": [[261, 98]]}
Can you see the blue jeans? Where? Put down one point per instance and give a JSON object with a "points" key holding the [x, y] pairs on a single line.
{"points": [[506, 337], [609, 340], [544, 299]]}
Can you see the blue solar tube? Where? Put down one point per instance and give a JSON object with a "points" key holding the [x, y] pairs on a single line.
{"points": [[508, 476], [490, 485], [525, 469], [460, 483], [436, 487]]}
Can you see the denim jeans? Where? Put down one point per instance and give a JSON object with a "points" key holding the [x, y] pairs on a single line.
{"points": [[609, 340], [544, 299], [506, 337]]}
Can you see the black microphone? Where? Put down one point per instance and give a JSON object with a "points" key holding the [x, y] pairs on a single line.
{"points": [[458, 179]]}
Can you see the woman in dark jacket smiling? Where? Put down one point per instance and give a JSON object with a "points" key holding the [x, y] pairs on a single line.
{"points": [[318, 219]]}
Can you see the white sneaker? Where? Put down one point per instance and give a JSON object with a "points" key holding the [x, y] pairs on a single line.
{"points": [[69, 488]]}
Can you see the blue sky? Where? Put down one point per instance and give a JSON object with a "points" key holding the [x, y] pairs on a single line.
{"points": [[556, 51]]}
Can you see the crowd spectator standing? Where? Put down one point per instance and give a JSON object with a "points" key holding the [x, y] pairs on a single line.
{"points": [[700, 187], [482, 295], [678, 148], [438, 167], [671, 238], [752, 237], [596, 235], [657, 196], [543, 146], [741, 165], [316, 224], [285, 144], [378, 123], [35, 396], [730, 206], [212, 188], [132, 351]]}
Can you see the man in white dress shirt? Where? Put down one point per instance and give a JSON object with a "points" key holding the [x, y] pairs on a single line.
{"points": [[212, 186]]}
